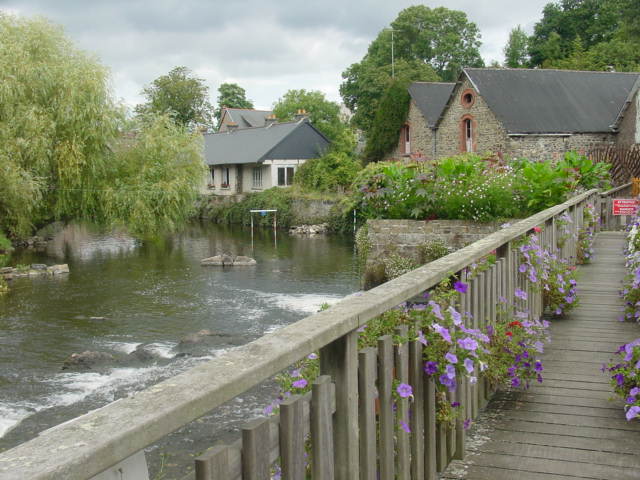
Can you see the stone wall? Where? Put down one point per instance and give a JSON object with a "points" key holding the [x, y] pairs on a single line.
{"points": [[420, 135], [488, 133], [628, 129], [404, 237], [541, 147]]}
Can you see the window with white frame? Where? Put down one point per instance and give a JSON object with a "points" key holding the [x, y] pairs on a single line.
{"points": [[225, 177], [285, 176], [212, 176], [257, 177]]}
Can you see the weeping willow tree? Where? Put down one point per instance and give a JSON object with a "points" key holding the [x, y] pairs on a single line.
{"points": [[63, 154]]}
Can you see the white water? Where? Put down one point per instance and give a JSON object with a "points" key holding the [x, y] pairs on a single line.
{"points": [[103, 387]]}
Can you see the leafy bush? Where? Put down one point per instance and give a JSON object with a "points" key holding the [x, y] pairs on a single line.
{"points": [[625, 377], [469, 187], [334, 171], [275, 198]]}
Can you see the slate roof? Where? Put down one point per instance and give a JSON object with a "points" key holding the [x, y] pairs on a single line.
{"points": [[553, 101], [282, 141], [431, 98], [247, 118]]}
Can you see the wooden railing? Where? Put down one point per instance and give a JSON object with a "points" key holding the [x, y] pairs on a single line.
{"points": [[348, 438], [608, 221]]}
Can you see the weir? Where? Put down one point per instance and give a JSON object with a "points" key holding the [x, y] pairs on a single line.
{"points": [[350, 422]]}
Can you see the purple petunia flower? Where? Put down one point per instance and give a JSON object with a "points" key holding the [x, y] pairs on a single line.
{"points": [[515, 382], [443, 331], [455, 315], [299, 383], [521, 294], [473, 380], [468, 364], [633, 412], [404, 426], [451, 357], [468, 343], [539, 368], [619, 379], [296, 373], [460, 287], [404, 390], [421, 338], [634, 391], [466, 424], [450, 371], [539, 346], [312, 356], [522, 268], [430, 368], [435, 309], [455, 404]]}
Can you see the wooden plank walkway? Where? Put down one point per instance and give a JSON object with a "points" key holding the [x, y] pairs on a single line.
{"points": [[567, 427]]}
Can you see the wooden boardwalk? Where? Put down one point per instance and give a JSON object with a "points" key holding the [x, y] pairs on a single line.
{"points": [[567, 427]]}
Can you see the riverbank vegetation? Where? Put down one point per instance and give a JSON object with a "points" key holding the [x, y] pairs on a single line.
{"points": [[66, 150]]}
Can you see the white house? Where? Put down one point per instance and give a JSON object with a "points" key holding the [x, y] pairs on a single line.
{"points": [[243, 160]]}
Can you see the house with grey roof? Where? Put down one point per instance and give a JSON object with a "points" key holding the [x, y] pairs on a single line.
{"points": [[520, 113], [243, 118], [243, 160]]}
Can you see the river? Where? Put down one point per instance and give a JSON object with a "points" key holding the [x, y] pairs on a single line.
{"points": [[122, 293]]}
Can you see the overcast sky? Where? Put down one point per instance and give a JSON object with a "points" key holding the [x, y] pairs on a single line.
{"points": [[266, 46]]}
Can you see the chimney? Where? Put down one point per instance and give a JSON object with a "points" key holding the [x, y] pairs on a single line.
{"points": [[232, 127], [270, 120], [301, 114]]}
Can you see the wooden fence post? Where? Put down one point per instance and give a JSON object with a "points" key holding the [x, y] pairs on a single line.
{"points": [[292, 439], [387, 427], [255, 450], [339, 360], [322, 456], [367, 412]]}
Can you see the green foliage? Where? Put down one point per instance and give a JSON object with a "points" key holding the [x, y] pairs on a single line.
{"points": [[61, 153], [323, 114], [231, 95], [180, 95], [333, 172], [516, 49], [468, 187], [277, 198], [587, 35], [429, 45], [390, 116], [154, 183]]}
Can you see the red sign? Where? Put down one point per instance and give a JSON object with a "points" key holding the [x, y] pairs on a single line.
{"points": [[625, 206]]}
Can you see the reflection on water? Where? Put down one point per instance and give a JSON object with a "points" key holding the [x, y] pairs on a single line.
{"points": [[122, 294]]}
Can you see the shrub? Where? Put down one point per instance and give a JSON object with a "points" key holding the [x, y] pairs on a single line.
{"points": [[625, 377]]}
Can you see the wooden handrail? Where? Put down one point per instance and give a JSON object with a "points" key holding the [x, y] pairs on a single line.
{"points": [[92, 443]]}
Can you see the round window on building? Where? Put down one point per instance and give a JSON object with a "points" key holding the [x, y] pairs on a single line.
{"points": [[467, 98]]}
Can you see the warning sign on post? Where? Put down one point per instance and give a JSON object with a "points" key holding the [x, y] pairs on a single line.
{"points": [[625, 206]]}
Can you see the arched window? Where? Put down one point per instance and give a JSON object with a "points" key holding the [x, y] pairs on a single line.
{"points": [[467, 134], [405, 139]]}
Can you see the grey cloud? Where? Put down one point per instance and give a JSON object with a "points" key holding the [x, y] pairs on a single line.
{"points": [[267, 47]]}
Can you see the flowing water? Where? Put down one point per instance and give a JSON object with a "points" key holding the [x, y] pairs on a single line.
{"points": [[122, 294]]}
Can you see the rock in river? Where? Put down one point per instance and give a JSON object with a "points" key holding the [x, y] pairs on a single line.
{"points": [[86, 360], [228, 261]]}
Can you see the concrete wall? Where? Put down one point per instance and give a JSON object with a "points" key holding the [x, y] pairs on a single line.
{"points": [[405, 236]]}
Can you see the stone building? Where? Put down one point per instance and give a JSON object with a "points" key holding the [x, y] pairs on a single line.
{"points": [[520, 113]]}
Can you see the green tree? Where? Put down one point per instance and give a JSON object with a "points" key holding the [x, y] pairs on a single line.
{"points": [[62, 154], [231, 95], [429, 45], [391, 115], [515, 51], [182, 96], [595, 21], [323, 114], [365, 83]]}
